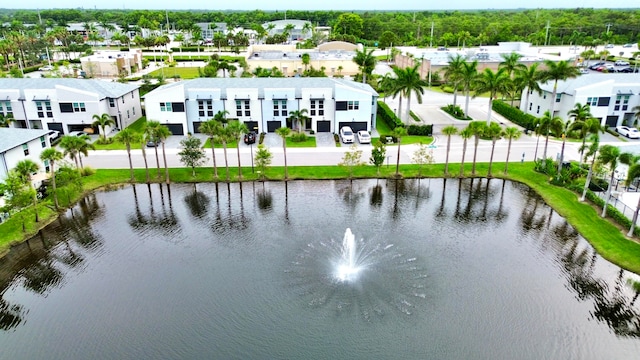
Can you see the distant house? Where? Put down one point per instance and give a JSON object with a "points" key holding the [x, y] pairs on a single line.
{"points": [[610, 96], [20, 144], [264, 104], [109, 64], [298, 32], [67, 105]]}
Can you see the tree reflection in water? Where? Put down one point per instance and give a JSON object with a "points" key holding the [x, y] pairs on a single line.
{"points": [[197, 202], [160, 218]]}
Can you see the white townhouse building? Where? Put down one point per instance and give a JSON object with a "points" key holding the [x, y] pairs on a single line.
{"points": [[20, 144], [264, 104], [67, 105], [610, 96]]}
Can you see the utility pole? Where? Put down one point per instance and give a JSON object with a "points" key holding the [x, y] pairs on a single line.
{"points": [[431, 38], [608, 27], [546, 35]]}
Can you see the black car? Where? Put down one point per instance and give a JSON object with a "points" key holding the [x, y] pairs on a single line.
{"points": [[598, 64], [626, 70], [250, 138]]}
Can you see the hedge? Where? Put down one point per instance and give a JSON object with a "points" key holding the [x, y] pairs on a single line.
{"points": [[422, 130], [388, 116], [514, 115]]}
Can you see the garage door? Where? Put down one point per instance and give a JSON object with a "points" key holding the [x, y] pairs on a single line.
{"points": [[252, 125], [196, 127], [176, 129], [355, 126], [272, 126], [324, 126], [55, 126]]}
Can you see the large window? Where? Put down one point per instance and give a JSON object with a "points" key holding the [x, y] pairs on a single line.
{"points": [[280, 108], [240, 104], [205, 108], [317, 108], [622, 99], [593, 101], [41, 106], [165, 107], [353, 105], [341, 105], [79, 107], [6, 109], [66, 107]]}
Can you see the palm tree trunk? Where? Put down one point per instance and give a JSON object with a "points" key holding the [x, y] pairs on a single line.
{"points": [[546, 143], [466, 103], [506, 164], [561, 156], [213, 156], [455, 94], [398, 159], [226, 161], [446, 161], [464, 152], [239, 165], [584, 141], [589, 175], [146, 164], [408, 112], [53, 183], [157, 159], [166, 168], [475, 154], [489, 110], [633, 222], [493, 147], [399, 106], [606, 201], [130, 162], [284, 150], [80, 158]]}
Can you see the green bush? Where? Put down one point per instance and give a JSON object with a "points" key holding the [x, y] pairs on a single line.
{"points": [[387, 115], [422, 130], [514, 115], [124, 49], [598, 185], [262, 135], [299, 137], [455, 111]]}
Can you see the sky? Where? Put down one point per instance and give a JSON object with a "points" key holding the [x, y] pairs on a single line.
{"points": [[337, 5]]}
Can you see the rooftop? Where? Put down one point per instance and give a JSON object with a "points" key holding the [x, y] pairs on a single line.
{"points": [[104, 89], [13, 137]]}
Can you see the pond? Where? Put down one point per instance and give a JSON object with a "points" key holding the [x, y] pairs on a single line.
{"points": [[454, 269]]}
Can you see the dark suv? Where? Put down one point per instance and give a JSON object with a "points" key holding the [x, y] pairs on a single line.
{"points": [[250, 138]]}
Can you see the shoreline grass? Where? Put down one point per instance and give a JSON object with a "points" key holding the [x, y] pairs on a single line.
{"points": [[607, 238]]}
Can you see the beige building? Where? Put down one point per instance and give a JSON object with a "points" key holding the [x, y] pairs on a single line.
{"points": [[109, 64], [335, 57]]}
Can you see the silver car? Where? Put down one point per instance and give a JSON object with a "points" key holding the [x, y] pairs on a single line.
{"points": [[346, 135]]}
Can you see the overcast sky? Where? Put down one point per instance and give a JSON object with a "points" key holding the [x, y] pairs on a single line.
{"points": [[314, 4]]}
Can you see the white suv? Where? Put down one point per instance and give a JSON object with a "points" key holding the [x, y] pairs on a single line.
{"points": [[346, 135]]}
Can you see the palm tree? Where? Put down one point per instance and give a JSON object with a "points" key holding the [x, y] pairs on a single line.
{"points": [[634, 172], [398, 133], [478, 129], [556, 71], [511, 63], [495, 132], [585, 123], [306, 59], [221, 117], [284, 132], [162, 134], [128, 136], [72, 146], [408, 81], [448, 130], [609, 155], [366, 62], [6, 120], [466, 133], [545, 125], [493, 83], [528, 79], [511, 133], [236, 130], [453, 73], [212, 128], [151, 128], [24, 169], [84, 145], [593, 153], [636, 114], [468, 76], [298, 117], [225, 137], [52, 155], [143, 138], [561, 131]]}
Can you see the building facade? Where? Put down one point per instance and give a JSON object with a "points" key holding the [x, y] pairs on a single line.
{"points": [[264, 104], [21, 144], [67, 105], [109, 64], [610, 96]]}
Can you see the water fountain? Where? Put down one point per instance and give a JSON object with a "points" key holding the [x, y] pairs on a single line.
{"points": [[348, 268]]}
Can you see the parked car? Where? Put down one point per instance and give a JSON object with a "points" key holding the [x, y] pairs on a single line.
{"points": [[151, 144], [596, 64], [626, 70], [364, 137], [584, 71], [250, 138], [631, 133], [608, 46], [46, 68], [53, 135], [77, 133], [621, 63], [627, 45], [346, 135]]}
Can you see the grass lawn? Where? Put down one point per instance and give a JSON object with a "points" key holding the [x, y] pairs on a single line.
{"points": [[384, 130], [310, 142], [184, 72], [231, 145], [137, 126]]}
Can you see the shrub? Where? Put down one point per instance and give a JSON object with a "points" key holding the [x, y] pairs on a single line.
{"points": [[262, 135], [422, 130], [104, 141], [387, 115], [299, 137], [514, 115], [455, 111], [336, 138], [87, 171]]}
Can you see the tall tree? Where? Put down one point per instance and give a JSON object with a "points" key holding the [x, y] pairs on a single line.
{"points": [[283, 132], [25, 168], [609, 156], [545, 125], [408, 81], [453, 73], [162, 134], [585, 123], [366, 62], [298, 117], [236, 129], [511, 133], [494, 132], [493, 83], [398, 133], [466, 134], [127, 136], [557, 71], [528, 79], [592, 153], [151, 128], [478, 128], [562, 131], [52, 155], [468, 76], [448, 130], [212, 128]]}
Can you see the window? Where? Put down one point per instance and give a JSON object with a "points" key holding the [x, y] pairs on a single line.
{"points": [[239, 106], [43, 142], [112, 103], [593, 101], [353, 105], [558, 97], [40, 109], [317, 108], [205, 108], [66, 107], [128, 116], [341, 105], [280, 108], [530, 106], [79, 107], [133, 110], [165, 107], [132, 96], [25, 148], [544, 95], [47, 168], [625, 102], [247, 108], [538, 110], [47, 106], [617, 106], [603, 101]]}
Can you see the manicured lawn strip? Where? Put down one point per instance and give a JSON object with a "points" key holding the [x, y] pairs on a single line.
{"points": [[137, 126], [415, 139], [183, 72], [218, 145], [310, 142], [605, 237]]}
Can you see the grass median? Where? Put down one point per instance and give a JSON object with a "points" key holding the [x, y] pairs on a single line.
{"points": [[608, 239]]}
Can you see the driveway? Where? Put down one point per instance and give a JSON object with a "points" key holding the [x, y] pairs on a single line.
{"points": [[325, 139]]}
